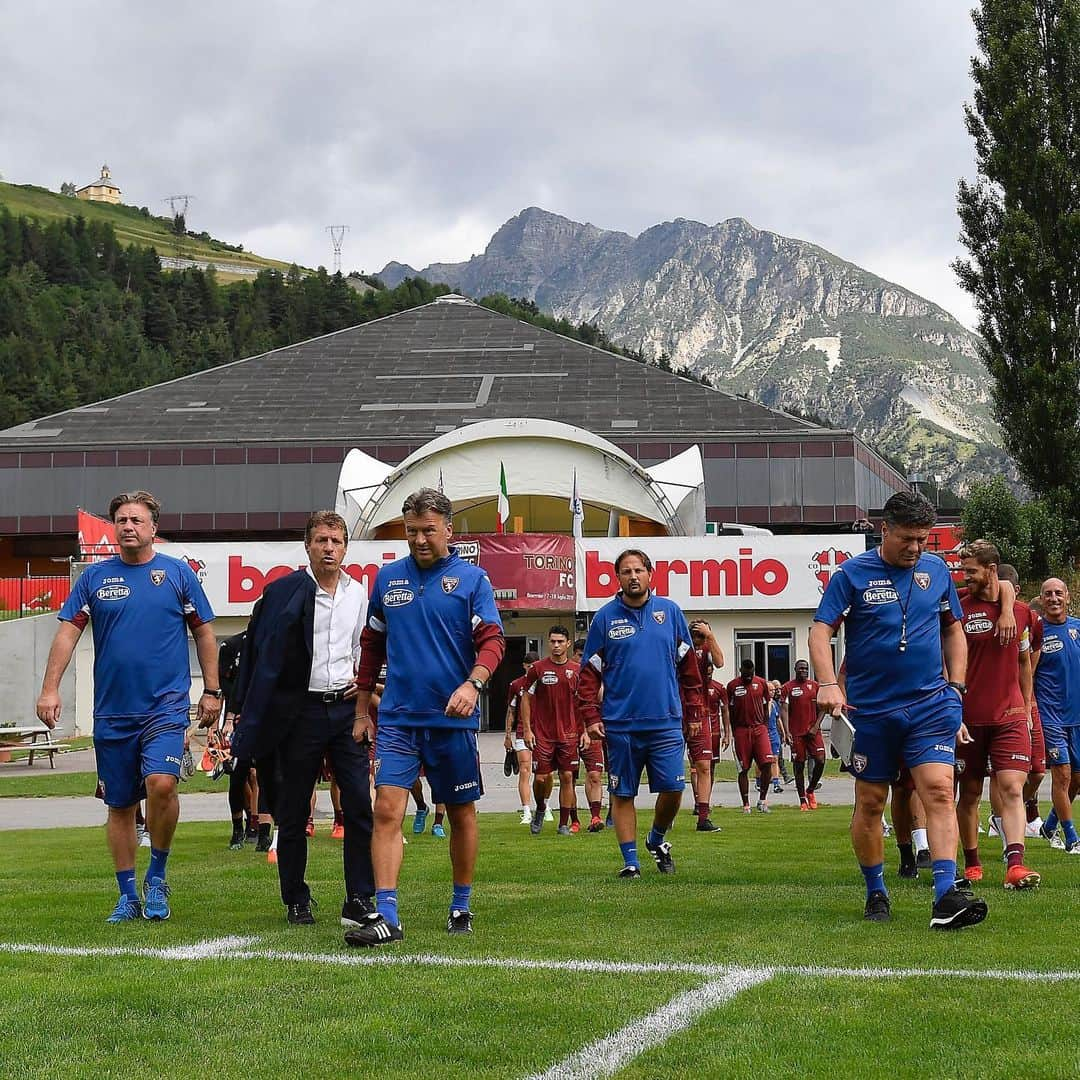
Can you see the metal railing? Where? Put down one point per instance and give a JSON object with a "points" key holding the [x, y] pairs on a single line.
{"points": [[21, 596]]}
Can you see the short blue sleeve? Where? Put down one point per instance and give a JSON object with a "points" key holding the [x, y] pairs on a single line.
{"points": [[195, 601], [78, 599], [836, 601]]}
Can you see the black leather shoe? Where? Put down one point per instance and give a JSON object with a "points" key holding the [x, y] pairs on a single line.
{"points": [[300, 914], [355, 910]]}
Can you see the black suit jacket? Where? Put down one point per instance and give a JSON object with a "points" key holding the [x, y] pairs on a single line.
{"points": [[275, 664]]}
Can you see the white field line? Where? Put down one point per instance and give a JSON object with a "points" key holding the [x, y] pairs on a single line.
{"points": [[606, 1056], [240, 948]]}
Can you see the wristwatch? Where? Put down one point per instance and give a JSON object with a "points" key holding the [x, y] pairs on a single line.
{"points": [[478, 683], [959, 687], [219, 693]]}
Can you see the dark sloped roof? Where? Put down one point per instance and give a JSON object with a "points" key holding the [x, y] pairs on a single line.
{"points": [[410, 377]]}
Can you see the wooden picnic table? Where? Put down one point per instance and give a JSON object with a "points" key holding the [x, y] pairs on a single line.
{"points": [[27, 738]]}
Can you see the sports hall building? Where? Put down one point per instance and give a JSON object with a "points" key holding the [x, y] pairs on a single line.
{"points": [[744, 509]]}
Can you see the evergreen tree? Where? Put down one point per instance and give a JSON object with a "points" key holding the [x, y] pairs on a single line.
{"points": [[1021, 227]]}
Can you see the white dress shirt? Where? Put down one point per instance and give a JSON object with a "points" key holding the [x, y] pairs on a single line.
{"points": [[335, 643]]}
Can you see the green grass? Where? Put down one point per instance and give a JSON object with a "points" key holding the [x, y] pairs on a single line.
{"points": [[776, 890], [132, 227]]}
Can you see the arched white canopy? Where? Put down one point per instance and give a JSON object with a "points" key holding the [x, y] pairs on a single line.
{"points": [[540, 458]]}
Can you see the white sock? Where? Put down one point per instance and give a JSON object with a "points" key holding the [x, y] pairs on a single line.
{"points": [[1000, 830], [273, 843], [918, 838]]}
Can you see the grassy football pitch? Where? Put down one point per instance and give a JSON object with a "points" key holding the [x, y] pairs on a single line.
{"points": [[752, 960]]}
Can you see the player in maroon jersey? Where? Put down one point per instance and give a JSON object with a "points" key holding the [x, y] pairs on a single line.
{"points": [[800, 727], [1030, 621], [515, 742], [551, 728], [748, 702], [699, 746], [996, 713]]}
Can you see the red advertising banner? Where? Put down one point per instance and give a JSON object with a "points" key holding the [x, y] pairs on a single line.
{"points": [[943, 541], [32, 595], [528, 571]]}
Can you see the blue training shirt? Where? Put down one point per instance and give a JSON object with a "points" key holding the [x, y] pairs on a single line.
{"points": [[140, 617], [637, 652], [1057, 676], [870, 597], [428, 617]]}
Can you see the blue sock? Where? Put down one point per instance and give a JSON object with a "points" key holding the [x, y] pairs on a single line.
{"points": [[1069, 829], [655, 837], [156, 869], [126, 880], [1051, 823], [944, 877], [629, 852], [875, 878], [460, 900], [386, 905]]}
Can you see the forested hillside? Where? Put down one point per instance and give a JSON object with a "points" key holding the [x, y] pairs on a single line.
{"points": [[83, 317]]}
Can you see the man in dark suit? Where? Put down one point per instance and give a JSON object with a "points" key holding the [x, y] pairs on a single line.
{"points": [[294, 697]]}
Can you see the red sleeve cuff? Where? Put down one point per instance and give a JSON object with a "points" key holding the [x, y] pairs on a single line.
{"points": [[490, 645]]}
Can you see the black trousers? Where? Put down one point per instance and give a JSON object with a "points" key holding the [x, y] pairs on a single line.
{"points": [[322, 729]]}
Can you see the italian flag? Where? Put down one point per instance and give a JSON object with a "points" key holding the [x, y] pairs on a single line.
{"points": [[502, 516]]}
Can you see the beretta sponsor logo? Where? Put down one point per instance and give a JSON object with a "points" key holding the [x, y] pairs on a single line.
{"points": [[1052, 645], [550, 678], [881, 594], [398, 597], [616, 633], [978, 623], [113, 592]]}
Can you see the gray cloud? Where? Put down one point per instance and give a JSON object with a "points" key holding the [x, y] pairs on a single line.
{"points": [[424, 129]]}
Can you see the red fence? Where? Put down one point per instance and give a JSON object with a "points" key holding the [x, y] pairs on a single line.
{"points": [[32, 595]]}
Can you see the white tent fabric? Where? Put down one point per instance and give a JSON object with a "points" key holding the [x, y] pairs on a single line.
{"points": [[540, 457]]}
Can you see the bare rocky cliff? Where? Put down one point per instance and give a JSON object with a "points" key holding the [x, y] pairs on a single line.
{"points": [[779, 319]]}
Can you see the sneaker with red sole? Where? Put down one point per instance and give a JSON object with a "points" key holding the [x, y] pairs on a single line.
{"points": [[596, 825], [804, 807], [575, 827], [973, 873], [271, 857], [338, 831], [811, 800], [1020, 877]]}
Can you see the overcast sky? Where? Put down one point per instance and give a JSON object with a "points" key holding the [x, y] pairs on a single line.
{"points": [[425, 129]]}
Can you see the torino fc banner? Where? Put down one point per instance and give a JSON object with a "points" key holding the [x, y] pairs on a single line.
{"points": [[529, 572]]}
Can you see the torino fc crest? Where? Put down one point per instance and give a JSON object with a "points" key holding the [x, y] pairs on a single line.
{"points": [[659, 616], [157, 576], [823, 565], [449, 584]]}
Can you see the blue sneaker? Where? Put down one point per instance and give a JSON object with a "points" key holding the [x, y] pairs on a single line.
{"points": [[439, 831], [156, 899], [419, 822], [126, 910]]}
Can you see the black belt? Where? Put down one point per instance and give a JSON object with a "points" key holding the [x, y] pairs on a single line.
{"points": [[328, 697]]}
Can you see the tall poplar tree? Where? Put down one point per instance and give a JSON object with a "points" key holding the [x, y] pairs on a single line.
{"points": [[1021, 227]]}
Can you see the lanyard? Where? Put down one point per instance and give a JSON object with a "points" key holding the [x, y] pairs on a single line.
{"points": [[904, 605]]}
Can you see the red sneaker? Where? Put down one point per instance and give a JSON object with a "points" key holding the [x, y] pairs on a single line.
{"points": [[338, 831], [1020, 877], [804, 807], [596, 825], [973, 873], [811, 800], [310, 828], [575, 827]]}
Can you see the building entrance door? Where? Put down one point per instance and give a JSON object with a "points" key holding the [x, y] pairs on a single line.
{"points": [[771, 651], [493, 709]]}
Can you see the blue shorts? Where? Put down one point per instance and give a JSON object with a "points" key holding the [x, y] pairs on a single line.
{"points": [[660, 752], [449, 755], [917, 734], [131, 748], [774, 740], [1062, 745]]}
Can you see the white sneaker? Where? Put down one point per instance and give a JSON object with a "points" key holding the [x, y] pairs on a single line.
{"points": [[144, 835], [548, 815], [992, 827], [886, 828], [1032, 827], [526, 816], [1072, 849], [763, 807], [1057, 843]]}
